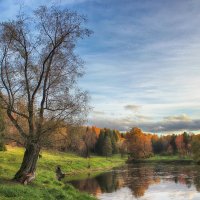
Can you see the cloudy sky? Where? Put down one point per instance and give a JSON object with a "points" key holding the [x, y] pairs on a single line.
{"points": [[142, 62]]}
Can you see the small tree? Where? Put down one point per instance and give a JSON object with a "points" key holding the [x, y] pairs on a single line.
{"points": [[38, 67]]}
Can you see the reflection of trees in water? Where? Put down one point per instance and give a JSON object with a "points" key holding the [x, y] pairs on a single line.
{"points": [[196, 179], [89, 185], [105, 183], [139, 177], [197, 183], [180, 174], [109, 182], [143, 177]]}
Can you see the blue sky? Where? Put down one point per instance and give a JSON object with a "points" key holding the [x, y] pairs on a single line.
{"points": [[142, 62]]}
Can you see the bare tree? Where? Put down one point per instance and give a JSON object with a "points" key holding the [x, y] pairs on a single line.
{"points": [[40, 69]]}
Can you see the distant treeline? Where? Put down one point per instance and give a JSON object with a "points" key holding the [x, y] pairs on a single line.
{"points": [[106, 142], [140, 145]]}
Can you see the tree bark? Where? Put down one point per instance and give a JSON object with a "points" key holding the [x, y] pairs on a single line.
{"points": [[29, 162]]}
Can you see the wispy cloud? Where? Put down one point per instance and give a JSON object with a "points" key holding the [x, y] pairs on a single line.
{"points": [[169, 124]]}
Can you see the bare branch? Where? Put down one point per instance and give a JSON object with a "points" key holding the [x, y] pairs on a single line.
{"points": [[39, 71]]}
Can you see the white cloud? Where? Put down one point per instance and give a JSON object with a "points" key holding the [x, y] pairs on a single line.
{"points": [[182, 117]]}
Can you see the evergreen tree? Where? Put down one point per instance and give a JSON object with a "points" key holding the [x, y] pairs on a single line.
{"points": [[173, 143], [187, 140], [114, 140], [116, 134], [100, 141], [107, 146], [114, 147]]}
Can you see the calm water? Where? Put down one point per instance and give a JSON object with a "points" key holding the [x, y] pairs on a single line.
{"points": [[145, 182]]}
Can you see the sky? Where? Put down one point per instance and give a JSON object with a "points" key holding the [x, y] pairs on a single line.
{"points": [[142, 62]]}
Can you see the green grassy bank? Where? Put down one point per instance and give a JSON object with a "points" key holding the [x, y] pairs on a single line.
{"points": [[166, 159], [46, 186]]}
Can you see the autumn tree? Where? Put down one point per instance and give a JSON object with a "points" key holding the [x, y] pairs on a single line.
{"points": [[183, 143], [89, 139], [96, 130], [72, 138], [139, 144], [39, 67], [122, 147]]}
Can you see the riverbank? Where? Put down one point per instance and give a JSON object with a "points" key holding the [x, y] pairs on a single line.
{"points": [[165, 160], [46, 186]]}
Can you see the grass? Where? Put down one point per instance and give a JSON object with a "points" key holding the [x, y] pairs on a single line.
{"points": [[166, 159], [46, 186], [169, 158]]}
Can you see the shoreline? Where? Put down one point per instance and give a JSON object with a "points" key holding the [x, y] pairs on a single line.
{"points": [[183, 162], [45, 186], [173, 159]]}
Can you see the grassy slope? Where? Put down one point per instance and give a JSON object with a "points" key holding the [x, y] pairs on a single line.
{"points": [[46, 186]]}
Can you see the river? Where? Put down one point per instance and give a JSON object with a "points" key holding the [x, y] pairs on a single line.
{"points": [[144, 182]]}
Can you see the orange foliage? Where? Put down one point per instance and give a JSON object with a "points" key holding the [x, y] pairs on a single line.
{"points": [[96, 130], [180, 144], [139, 144]]}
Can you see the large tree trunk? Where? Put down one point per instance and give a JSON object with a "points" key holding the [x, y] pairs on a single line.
{"points": [[26, 172]]}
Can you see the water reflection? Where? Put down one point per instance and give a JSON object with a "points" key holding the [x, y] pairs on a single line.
{"points": [[145, 181]]}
